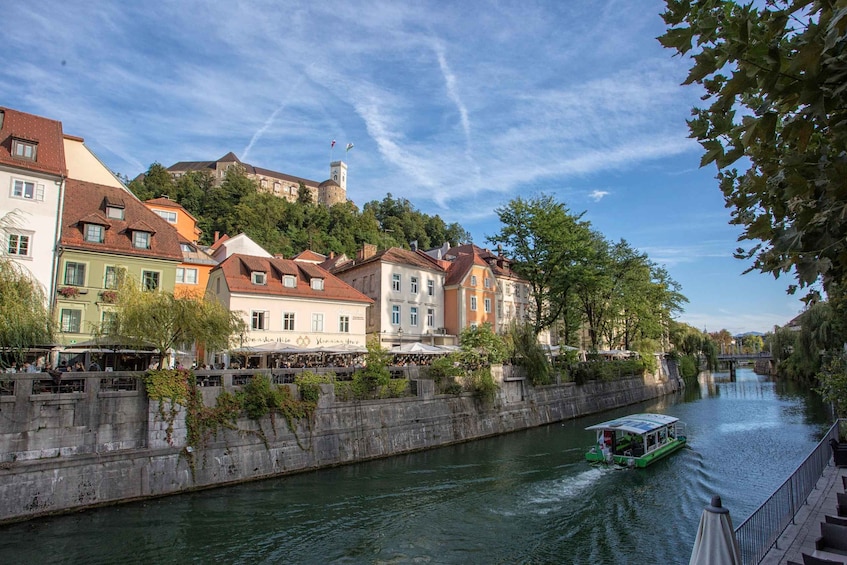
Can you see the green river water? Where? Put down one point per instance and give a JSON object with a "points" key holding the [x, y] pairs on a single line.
{"points": [[527, 497]]}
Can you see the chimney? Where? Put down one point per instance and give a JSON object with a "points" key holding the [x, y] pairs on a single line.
{"points": [[413, 245], [368, 250], [332, 254], [217, 236], [279, 256]]}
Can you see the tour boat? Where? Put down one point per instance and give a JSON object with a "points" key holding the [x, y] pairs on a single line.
{"points": [[637, 440]]}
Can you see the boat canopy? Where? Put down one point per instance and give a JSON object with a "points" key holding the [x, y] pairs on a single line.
{"points": [[636, 423]]}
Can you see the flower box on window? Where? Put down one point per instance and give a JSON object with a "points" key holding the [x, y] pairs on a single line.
{"points": [[69, 291], [109, 296]]}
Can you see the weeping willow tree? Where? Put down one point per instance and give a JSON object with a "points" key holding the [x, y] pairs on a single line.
{"points": [[167, 322], [24, 318]]}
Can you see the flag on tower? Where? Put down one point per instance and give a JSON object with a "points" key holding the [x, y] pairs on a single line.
{"points": [[349, 146], [332, 144]]}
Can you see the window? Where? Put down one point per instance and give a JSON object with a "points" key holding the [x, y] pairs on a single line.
{"points": [[95, 233], [473, 303], [317, 284], [108, 321], [371, 283], [186, 276], [413, 315], [75, 274], [27, 190], [24, 149], [168, 216], [344, 324], [430, 287], [473, 280], [259, 320], [217, 286], [395, 315], [430, 317], [19, 244], [141, 239], [317, 322], [486, 282], [288, 321], [289, 281], [488, 305], [395, 282], [414, 285], [114, 212], [150, 280], [71, 320], [110, 278], [258, 277], [186, 248]]}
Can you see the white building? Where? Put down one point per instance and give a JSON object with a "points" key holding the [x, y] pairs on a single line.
{"points": [[290, 302], [32, 180], [407, 288]]}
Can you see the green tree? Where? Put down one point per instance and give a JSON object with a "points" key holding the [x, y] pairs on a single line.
{"points": [[481, 346], [549, 248], [774, 75], [156, 182], [167, 322], [24, 319]]}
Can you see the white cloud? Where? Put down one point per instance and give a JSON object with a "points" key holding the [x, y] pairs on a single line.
{"points": [[597, 195]]}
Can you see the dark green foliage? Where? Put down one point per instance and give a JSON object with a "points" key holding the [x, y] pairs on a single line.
{"points": [[309, 385], [529, 354], [689, 368], [602, 370], [774, 74], [288, 228]]}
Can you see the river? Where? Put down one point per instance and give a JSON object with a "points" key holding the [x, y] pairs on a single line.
{"points": [[527, 497]]}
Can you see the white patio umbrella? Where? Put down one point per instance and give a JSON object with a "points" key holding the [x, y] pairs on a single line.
{"points": [[416, 348], [715, 543]]}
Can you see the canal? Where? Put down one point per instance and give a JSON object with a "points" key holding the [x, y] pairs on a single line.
{"points": [[527, 497]]}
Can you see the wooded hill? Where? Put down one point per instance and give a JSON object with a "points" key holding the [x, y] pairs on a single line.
{"points": [[237, 205]]}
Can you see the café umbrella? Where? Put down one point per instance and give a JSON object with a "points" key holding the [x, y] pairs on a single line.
{"points": [[715, 543]]}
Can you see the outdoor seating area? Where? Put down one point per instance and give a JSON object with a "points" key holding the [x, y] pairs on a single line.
{"points": [[830, 546]]}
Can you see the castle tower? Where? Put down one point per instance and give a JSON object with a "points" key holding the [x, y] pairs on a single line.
{"points": [[338, 173]]}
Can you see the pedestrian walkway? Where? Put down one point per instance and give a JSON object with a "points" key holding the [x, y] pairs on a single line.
{"points": [[799, 537]]}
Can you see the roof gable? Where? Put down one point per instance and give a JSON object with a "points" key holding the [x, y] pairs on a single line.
{"points": [[86, 202], [45, 133]]}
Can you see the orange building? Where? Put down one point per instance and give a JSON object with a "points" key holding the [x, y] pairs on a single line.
{"points": [[192, 275], [470, 294]]}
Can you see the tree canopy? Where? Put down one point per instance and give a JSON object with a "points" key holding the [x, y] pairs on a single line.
{"points": [[775, 81], [165, 321], [24, 318], [290, 227], [577, 277]]}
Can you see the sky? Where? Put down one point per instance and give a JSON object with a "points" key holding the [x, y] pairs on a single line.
{"points": [[458, 107]]}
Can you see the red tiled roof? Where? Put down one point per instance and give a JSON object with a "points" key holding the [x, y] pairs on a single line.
{"points": [[395, 255], [82, 199], [501, 266], [50, 154], [461, 266], [237, 268], [309, 255]]}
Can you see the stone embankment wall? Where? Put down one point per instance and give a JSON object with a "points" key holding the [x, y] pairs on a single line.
{"points": [[97, 440]]}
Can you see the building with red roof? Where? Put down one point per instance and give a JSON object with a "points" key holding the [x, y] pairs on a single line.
{"points": [[32, 178], [294, 303]]}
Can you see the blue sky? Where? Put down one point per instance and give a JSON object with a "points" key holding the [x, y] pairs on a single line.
{"points": [[456, 106]]}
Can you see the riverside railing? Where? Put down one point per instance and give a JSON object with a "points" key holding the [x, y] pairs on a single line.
{"points": [[760, 532]]}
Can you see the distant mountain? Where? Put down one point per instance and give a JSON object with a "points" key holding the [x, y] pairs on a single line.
{"points": [[746, 334]]}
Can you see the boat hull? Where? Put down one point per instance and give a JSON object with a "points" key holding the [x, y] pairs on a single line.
{"points": [[597, 456]]}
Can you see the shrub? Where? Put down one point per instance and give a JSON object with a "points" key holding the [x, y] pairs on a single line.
{"points": [[309, 385]]}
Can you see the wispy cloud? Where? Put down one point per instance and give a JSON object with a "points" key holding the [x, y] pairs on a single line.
{"points": [[597, 195]]}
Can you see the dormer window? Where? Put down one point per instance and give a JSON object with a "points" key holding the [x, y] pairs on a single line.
{"points": [[317, 284], [95, 233], [167, 215], [258, 277], [186, 248], [289, 281], [141, 239], [114, 212], [23, 149]]}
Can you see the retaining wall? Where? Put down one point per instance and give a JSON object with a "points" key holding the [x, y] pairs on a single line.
{"points": [[100, 441]]}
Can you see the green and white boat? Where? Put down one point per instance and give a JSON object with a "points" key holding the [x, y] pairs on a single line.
{"points": [[637, 440]]}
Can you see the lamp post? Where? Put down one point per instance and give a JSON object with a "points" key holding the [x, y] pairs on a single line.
{"points": [[400, 333]]}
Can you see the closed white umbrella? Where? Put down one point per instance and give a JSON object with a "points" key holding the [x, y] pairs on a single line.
{"points": [[715, 543]]}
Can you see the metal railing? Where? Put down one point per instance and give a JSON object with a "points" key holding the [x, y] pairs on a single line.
{"points": [[760, 532]]}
